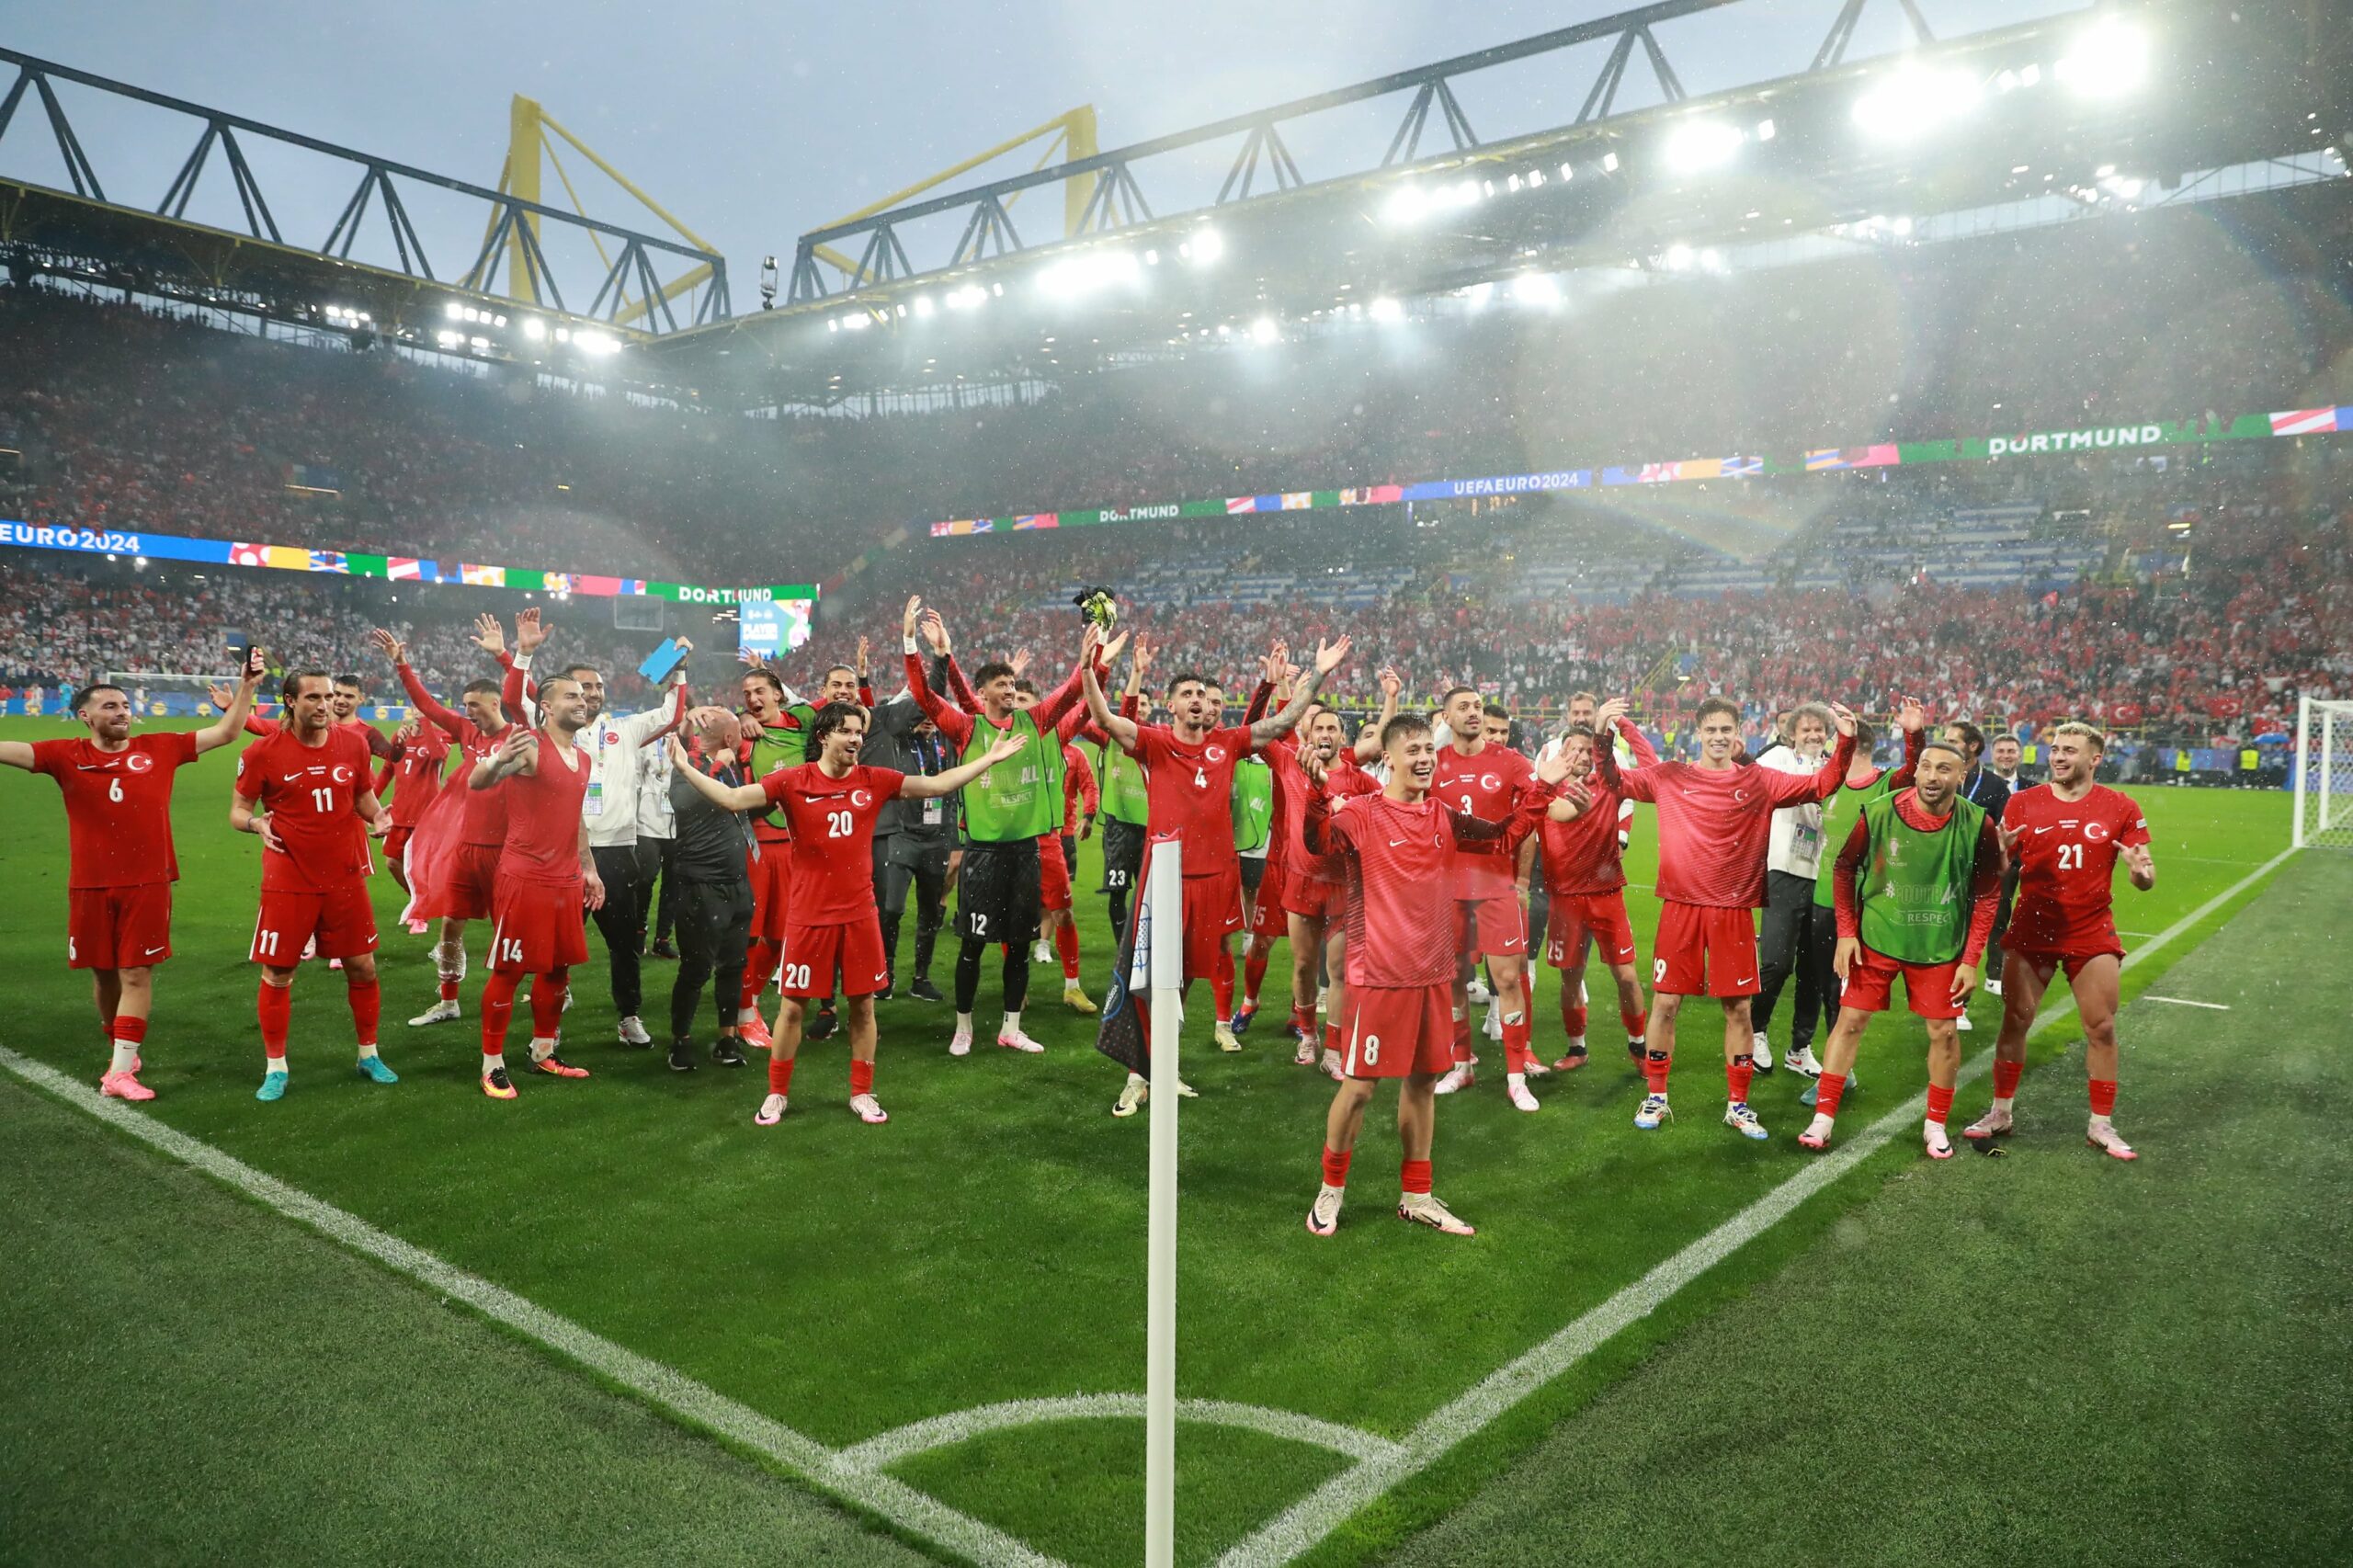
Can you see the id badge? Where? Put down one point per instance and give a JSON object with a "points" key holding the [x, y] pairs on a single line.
{"points": [[594, 804], [934, 812]]}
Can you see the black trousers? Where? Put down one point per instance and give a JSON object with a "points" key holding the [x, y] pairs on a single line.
{"points": [[628, 871], [666, 911], [924, 869], [1783, 951], [2001, 923], [1822, 947], [714, 930]]}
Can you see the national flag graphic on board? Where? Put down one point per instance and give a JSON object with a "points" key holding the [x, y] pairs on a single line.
{"points": [[556, 582], [631, 585], [2304, 421], [329, 561], [1298, 500], [404, 568], [602, 587], [1742, 468], [248, 554], [1237, 504], [1026, 520], [482, 576]]}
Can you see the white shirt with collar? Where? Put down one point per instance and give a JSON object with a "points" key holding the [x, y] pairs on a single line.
{"points": [[1795, 845], [615, 760]]}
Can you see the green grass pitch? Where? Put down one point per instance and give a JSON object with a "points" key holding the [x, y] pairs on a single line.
{"points": [[986, 1246]]}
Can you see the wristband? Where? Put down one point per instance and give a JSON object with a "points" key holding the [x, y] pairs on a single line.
{"points": [[907, 645]]}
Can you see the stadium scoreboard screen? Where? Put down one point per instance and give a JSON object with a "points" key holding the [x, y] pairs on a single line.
{"points": [[773, 626]]}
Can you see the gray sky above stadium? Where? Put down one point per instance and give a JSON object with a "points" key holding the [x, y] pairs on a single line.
{"points": [[754, 122]]}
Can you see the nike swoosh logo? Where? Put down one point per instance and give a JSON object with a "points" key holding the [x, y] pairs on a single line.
{"points": [[1395, 842], [152, 951], [2040, 831], [1749, 981]]}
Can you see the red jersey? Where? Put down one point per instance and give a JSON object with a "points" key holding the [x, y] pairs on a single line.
{"points": [[310, 793], [832, 822], [1079, 791], [485, 809], [1483, 784], [1582, 854], [543, 839], [1188, 793], [2066, 853], [118, 806], [1343, 781], [1714, 824], [413, 778], [1401, 920]]}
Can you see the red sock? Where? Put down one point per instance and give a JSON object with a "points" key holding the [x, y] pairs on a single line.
{"points": [[448, 990], [498, 1005], [130, 1031], [2005, 1078], [1332, 1038], [1066, 944], [1221, 983], [1254, 976], [1303, 1020], [547, 1005], [780, 1074], [367, 1007], [759, 967], [1737, 1074], [1940, 1103], [1826, 1090], [1463, 1040], [1336, 1165], [1414, 1175], [861, 1075], [275, 1007], [1655, 1070], [1516, 1054], [1572, 1013], [2103, 1097], [1635, 1023]]}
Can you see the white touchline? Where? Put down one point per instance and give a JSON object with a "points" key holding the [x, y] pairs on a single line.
{"points": [[1300, 1527], [2185, 1001], [673, 1391]]}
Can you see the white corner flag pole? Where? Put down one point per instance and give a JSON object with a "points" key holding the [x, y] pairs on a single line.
{"points": [[1164, 916]]}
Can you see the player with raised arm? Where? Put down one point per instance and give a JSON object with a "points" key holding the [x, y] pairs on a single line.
{"points": [[307, 792], [1585, 878], [121, 863], [1398, 850], [1915, 881], [1317, 895], [830, 806], [1005, 813], [1714, 817], [2067, 837], [547, 879], [408, 785], [1188, 778], [1482, 780], [453, 882]]}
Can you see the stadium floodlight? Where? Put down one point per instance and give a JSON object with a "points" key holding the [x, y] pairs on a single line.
{"points": [[970, 296], [1406, 205], [1609, 162], [2124, 187], [1914, 100], [1264, 330], [1477, 295], [923, 306], [1702, 144], [2108, 57], [1679, 257], [449, 339], [534, 328], [1077, 276], [1384, 309], [1537, 290], [1767, 130], [480, 345], [1204, 247], [498, 321], [597, 343], [1536, 179], [454, 311]]}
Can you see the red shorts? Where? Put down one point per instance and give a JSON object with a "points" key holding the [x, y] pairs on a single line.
{"points": [[1927, 987], [1392, 1031], [342, 922], [1317, 900], [771, 889], [472, 892], [119, 927], [1705, 951], [812, 952], [1269, 914], [396, 841], [2048, 964], [1053, 873], [1493, 926], [1578, 916], [541, 927]]}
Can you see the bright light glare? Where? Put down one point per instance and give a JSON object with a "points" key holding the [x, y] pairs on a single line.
{"points": [[449, 339], [1080, 275], [1207, 246], [1385, 309], [1264, 330], [1476, 296], [1912, 101], [454, 311], [923, 305], [1766, 130], [1702, 144], [534, 328], [1609, 162], [1536, 289], [1406, 205], [596, 343], [2110, 56], [1678, 257], [969, 296]]}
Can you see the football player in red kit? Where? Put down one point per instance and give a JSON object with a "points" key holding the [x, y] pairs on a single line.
{"points": [[1584, 877], [1714, 817], [547, 879], [118, 790], [829, 807], [2065, 837], [408, 784], [1398, 848], [306, 791], [1482, 780]]}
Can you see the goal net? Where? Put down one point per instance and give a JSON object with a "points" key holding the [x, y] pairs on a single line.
{"points": [[2323, 776], [172, 694]]}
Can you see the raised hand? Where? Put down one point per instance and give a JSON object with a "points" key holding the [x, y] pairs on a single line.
{"points": [[751, 658], [935, 633], [863, 670], [907, 617], [1606, 717], [1020, 661], [222, 695], [1311, 762], [488, 635], [2009, 837], [1276, 662], [1911, 717], [392, 647], [1330, 656], [529, 633], [1142, 657], [256, 665], [1845, 718], [1112, 648], [1392, 680]]}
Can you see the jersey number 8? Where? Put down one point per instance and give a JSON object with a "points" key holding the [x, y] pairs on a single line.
{"points": [[1371, 1050]]}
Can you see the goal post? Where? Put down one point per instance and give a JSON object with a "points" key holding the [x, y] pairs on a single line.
{"points": [[158, 693], [2321, 783], [1161, 929]]}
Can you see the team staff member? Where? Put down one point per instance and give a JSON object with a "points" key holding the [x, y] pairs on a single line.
{"points": [[610, 807], [1989, 789], [922, 856], [1792, 869], [707, 886], [122, 865]]}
